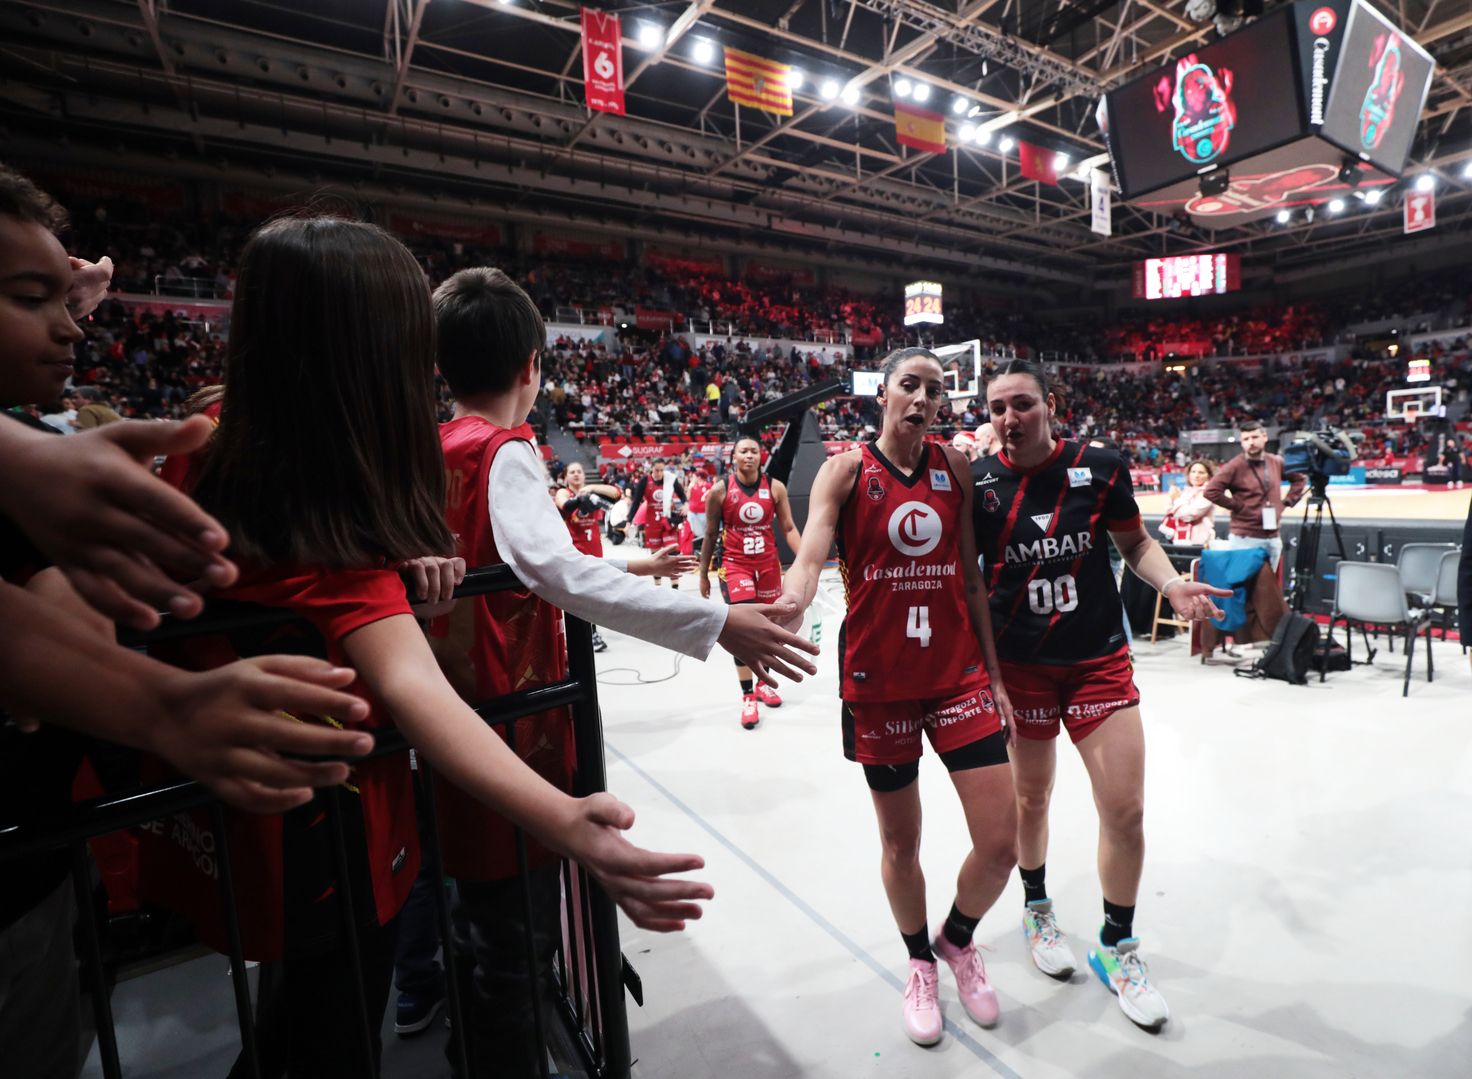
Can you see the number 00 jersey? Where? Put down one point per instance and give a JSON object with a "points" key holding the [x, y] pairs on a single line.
{"points": [[1042, 537], [746, 515], [908, 633]]}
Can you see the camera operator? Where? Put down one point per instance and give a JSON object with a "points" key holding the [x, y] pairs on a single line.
{"points": [[1250, 486]]}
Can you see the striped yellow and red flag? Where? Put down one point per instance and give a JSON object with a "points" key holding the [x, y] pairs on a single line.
{"points": [[919, 129], [758, 83]]}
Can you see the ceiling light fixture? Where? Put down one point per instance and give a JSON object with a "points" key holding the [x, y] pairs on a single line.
{"points": [[903, 88]]}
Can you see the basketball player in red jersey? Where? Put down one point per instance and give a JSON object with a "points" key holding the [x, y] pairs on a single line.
{"points": [[692, 532], [916, 654], [660, 520], [585, 525], [740, 514], [1044, 510]]}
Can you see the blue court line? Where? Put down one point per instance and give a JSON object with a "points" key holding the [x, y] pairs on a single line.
{"points": [[854, 948]]}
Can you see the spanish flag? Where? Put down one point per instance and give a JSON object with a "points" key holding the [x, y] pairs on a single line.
{"points": [[761, 84], [920, 129]]}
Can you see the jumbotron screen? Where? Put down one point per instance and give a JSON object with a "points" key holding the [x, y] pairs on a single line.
{"points": [[1221, 103], [1187, 275]]}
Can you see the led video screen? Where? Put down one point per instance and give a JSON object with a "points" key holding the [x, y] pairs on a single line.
{"points": [[1380, 86], [1219, 104], [1187, 275]]}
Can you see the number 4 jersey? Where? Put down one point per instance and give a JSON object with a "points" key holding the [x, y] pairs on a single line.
{"points": [[1042, 537], [908, 632]]}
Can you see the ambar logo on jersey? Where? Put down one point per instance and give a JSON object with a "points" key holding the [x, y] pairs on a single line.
{"points": [[1049, 547], [915, 529]]}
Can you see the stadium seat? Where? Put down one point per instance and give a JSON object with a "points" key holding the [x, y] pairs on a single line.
{"points": [[1371, 594]]}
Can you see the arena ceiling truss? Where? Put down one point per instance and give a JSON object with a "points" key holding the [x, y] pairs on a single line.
{"points": [[480, 102]]}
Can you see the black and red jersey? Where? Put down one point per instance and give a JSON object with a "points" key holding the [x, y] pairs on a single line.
{"points": [[1042, 537], [908, 633], [586, 530], [746, 516]]}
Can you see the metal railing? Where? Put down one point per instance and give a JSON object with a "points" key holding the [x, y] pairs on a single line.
{"points": [[589, 970]]}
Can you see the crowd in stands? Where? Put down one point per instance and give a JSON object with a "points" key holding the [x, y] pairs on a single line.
{"points": [[656, 381]]}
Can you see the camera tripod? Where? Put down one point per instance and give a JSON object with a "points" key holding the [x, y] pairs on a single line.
{"points": [[1306, 562]]}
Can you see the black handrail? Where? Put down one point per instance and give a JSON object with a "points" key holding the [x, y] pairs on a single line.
{"points": [[605, 1048]]}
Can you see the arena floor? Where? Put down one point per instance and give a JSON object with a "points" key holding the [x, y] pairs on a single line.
{"points": [[1411, 502], [1303, 908]]}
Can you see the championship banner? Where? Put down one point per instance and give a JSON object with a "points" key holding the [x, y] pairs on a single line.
{"points": [[603, 61], [1420, 211], [919, 129], [1099, 203], [758, 83]]}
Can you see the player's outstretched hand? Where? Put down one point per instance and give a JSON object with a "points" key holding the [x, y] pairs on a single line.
{"points": [[754, 634], [1192, 600], [634, 877], [225, 728], [89, 285], [124, 538], [669, 562]]}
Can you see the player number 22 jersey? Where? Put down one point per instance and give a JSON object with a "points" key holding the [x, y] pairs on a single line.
{"points": [[746, 516]]}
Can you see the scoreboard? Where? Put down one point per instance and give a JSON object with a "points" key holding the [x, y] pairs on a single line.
{"points": [[922, 303], [1187, 275]]}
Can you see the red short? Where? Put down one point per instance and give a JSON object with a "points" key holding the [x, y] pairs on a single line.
{"points": [[658, 532], [744, 583], [888, 732], [1081, 696]]}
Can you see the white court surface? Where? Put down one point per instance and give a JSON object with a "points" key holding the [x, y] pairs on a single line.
{"points": [[1306, 907]]}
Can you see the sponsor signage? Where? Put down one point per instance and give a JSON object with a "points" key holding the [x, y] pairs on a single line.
{"points": [[1319, 28], [1383, 476]]}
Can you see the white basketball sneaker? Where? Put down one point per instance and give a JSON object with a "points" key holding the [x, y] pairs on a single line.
{"points": [[1050, 952]]}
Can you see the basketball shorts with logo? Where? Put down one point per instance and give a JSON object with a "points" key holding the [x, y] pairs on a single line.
{"points": [[1079, 696], [888, 732], [751, 582], [658, 532]]}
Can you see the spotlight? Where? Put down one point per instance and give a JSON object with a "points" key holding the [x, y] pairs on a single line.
{"points": [[650, 36], [983, 137], [959, 106], [1060, 162], [1006, 144], [1336, 206], [1215, 182], [1467, 171], [1284, 216], [973, 112], [795, 78], [829, 89], [850, 96], [1374, 195], [922, 91], [1426, 182], [704, 51], [903, 88], [967, 132]]}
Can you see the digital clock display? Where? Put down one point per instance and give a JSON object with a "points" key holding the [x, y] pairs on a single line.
{"points": [[922, 303]]}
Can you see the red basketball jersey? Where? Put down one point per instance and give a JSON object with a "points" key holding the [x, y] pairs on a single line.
{"points": [[586, 530], [654, 500], [492, 645], [747, 519], [907, 634]]}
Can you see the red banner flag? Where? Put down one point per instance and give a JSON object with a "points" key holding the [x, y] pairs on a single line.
{"points": [[1420, 211], [603, 61], [1037, 162]]}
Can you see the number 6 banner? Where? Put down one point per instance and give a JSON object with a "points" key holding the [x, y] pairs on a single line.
{"points": [[603, 61]]}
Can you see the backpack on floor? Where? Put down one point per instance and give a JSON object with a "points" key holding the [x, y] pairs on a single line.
{"points": [[1290, 654]]}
